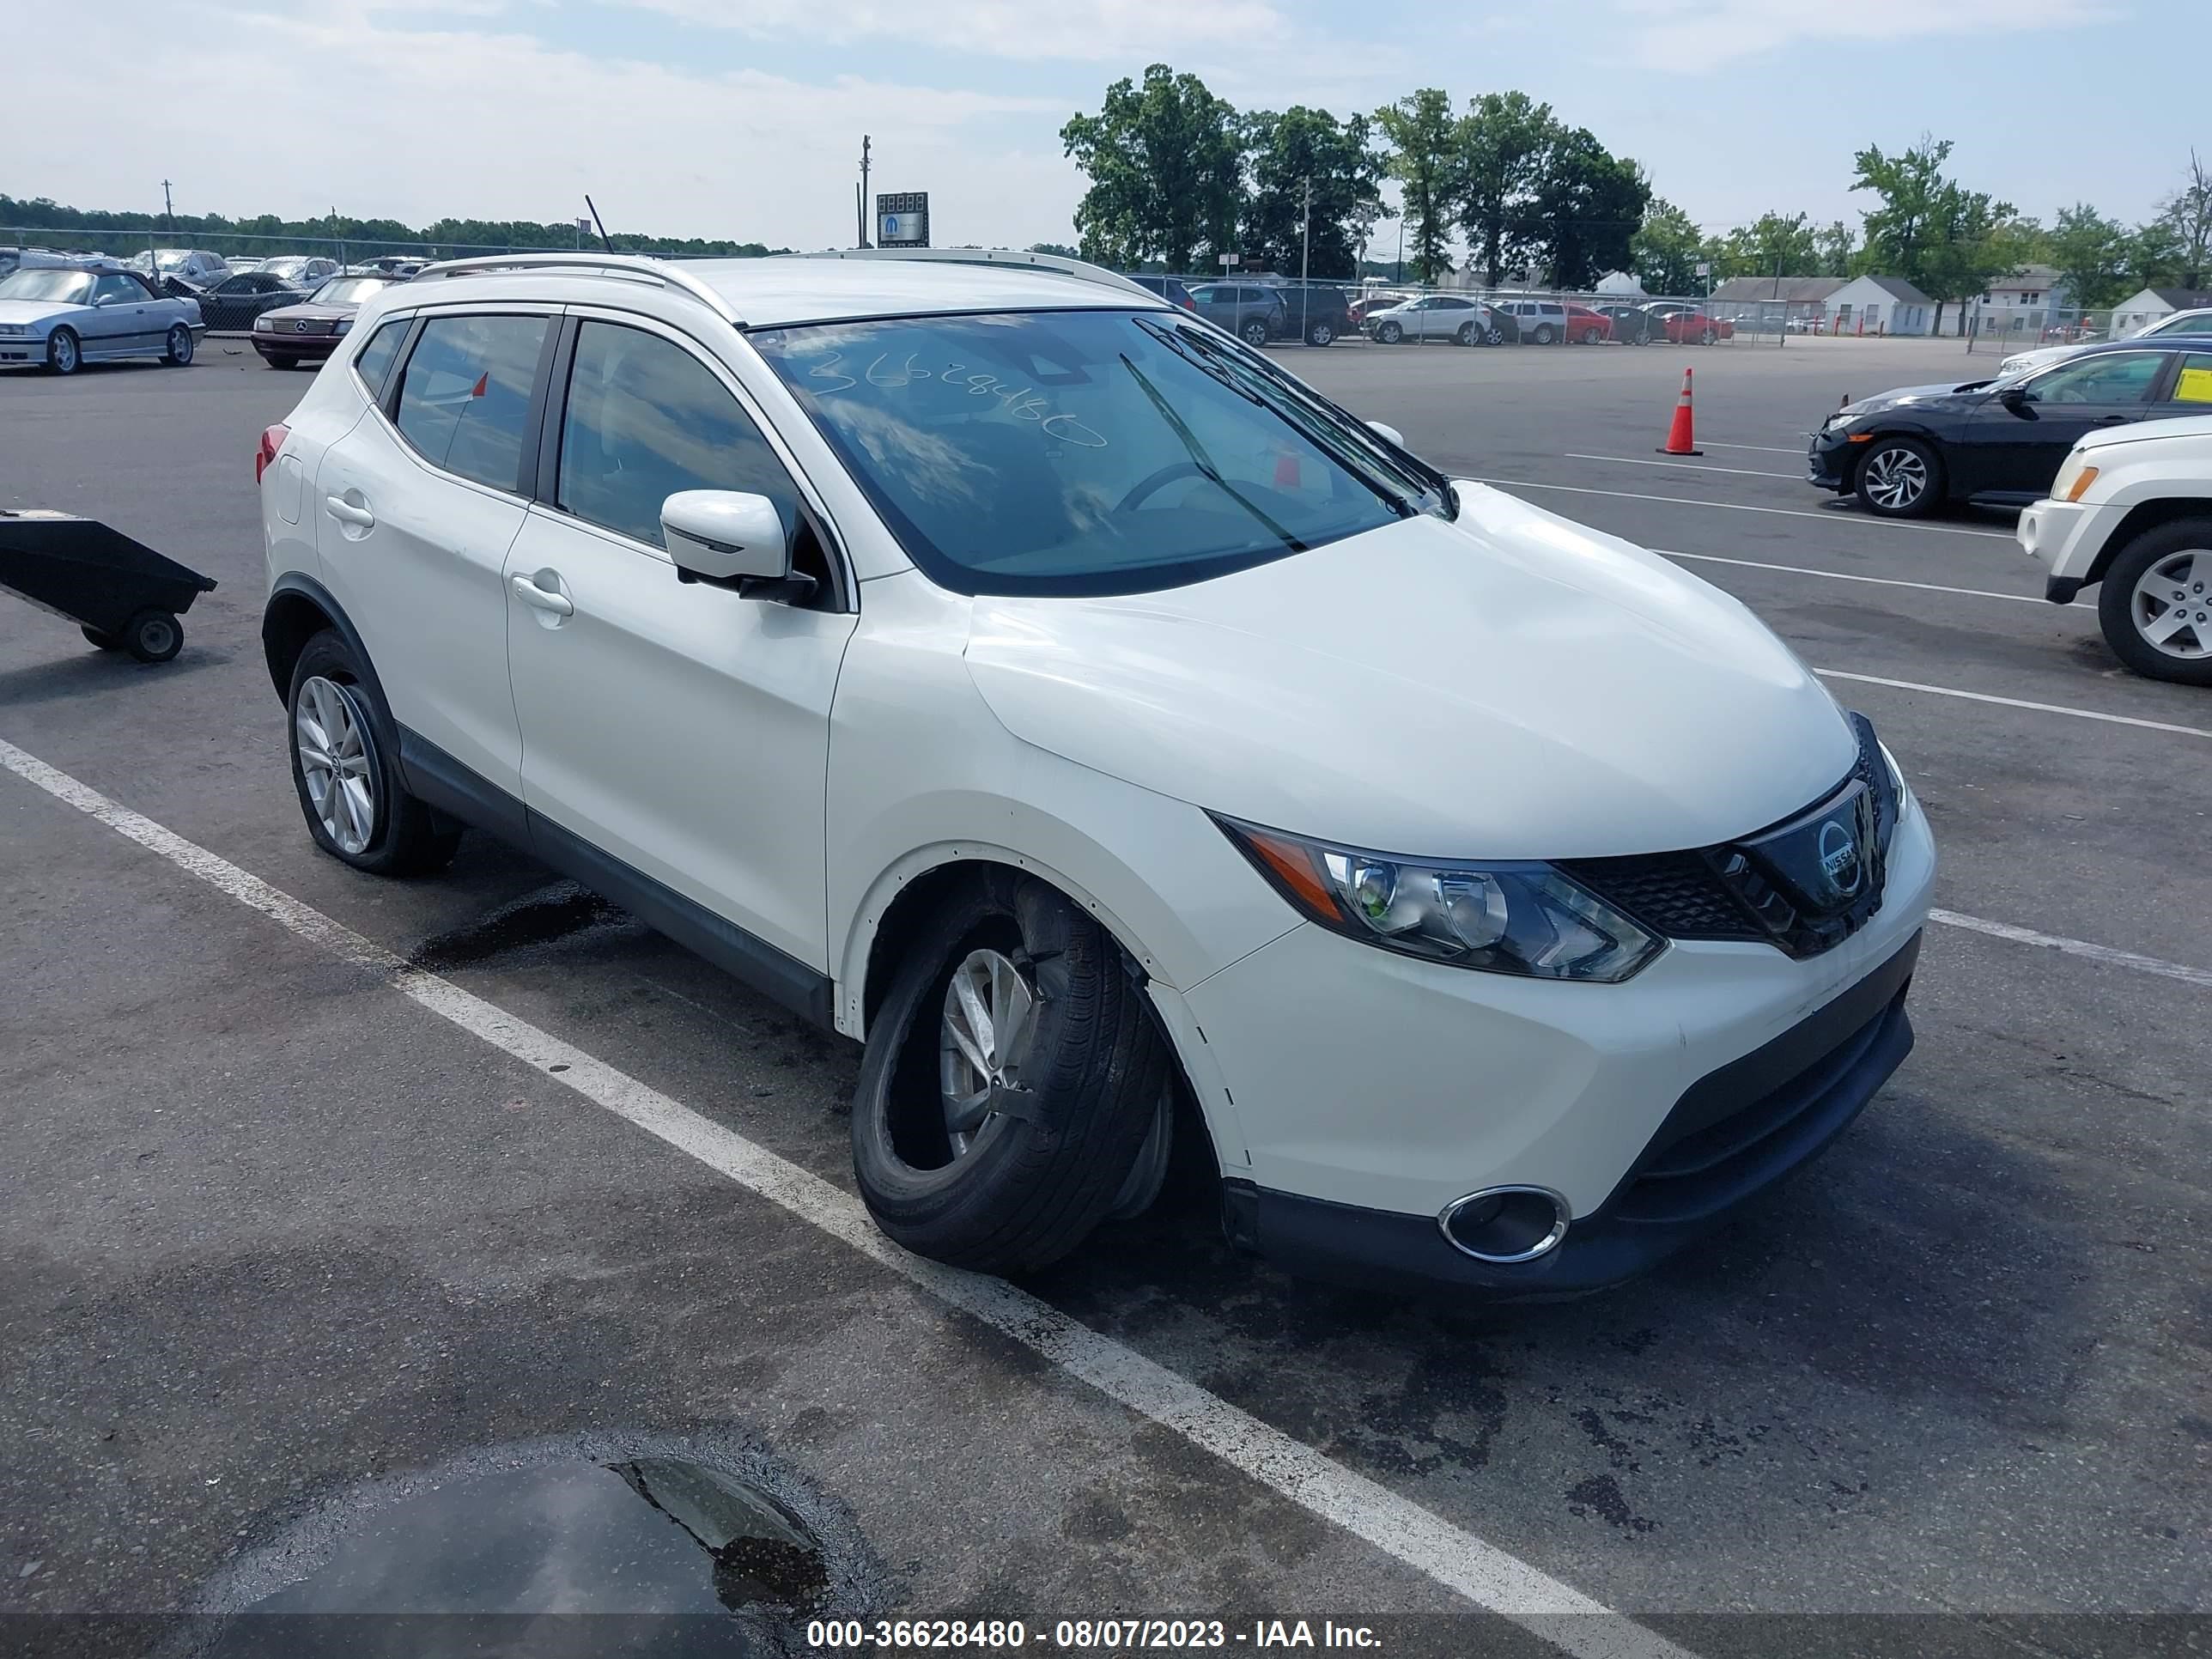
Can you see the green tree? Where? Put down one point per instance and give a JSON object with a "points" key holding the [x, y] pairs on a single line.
{"points": [[1503, 140], [2090, 253], [1165, 171], [1423, 157], [1665, 251], [2157, 257], [1838, 245], [1773, 245], [1944, 239], [1969, 247], [1303, 144], [1586, 209], [1061, 249]]}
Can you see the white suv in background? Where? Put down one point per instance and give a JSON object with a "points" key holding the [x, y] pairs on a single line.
{"points": [[2188, 323], [2131, 513], [1017, 675]]}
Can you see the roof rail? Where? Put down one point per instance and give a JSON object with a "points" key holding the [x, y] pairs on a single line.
{"points": [[632, 267], [1057, 265]]}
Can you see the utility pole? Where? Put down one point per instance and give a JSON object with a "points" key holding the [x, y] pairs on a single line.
{"points": [[1305, 256], [860, 206]]}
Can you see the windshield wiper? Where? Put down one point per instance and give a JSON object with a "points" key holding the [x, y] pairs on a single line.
{"points": [[1204, 462]]}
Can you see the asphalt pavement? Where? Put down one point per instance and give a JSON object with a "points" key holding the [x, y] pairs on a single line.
{"points": [[274, 1225]]}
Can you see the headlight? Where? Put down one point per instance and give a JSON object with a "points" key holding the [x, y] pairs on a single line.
{"points": [[2074, 479], [1517, 918], [343, 323], [262, 325]]}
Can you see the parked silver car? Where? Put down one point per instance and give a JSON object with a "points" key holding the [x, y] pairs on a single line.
{"points": [[63, 319]]}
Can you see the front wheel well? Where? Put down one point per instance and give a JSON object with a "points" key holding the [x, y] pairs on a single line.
{"points": [[2141, 517], [924, 894]]}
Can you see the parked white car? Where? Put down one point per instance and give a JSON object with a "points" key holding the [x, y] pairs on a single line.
{"points": [[2180, 324], [2131, 513], [1011, 672]]}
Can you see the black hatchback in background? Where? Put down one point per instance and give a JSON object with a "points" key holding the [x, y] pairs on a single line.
{"points": [[1999, 442], [310, 331]]}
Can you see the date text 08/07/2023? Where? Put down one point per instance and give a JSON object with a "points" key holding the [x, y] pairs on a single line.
{"points": [[1084, 1635]]}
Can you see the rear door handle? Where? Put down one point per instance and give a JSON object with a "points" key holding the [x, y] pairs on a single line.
{"points": [[346, 512], [531, 593]]}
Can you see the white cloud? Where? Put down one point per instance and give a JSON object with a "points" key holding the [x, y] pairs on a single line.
{"points": [[1128, 31], [1700, 34], [472, 123]]}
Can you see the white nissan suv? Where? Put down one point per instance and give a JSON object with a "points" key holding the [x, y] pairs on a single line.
{"points": [[1023, 678]]}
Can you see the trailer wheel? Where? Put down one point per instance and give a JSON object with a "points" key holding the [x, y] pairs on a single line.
{"points": [[153, 636], [105, 641]]}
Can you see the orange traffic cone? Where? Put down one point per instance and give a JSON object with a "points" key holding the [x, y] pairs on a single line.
{"points": [[1679, 439]]}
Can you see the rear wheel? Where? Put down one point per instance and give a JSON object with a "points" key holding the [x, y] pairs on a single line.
{"points": [[1592, 336], [345, 769], [179, 348], [2155, 604], [1013, 1084], [1254, 332], [1465, 336], [1900, 478], [1319, 334], [1707, 338], [1544, 334]]}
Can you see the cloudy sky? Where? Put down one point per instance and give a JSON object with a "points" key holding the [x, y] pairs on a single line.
{"points": [[743, 117]]}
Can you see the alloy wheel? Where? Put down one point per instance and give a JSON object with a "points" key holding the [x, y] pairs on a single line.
{"points": [[64, 353], [2172, 605], [983, 1040], [334, 762], [1896, 478]]}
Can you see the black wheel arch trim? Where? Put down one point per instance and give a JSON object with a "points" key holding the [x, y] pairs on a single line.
{"points": [[280, 649]]}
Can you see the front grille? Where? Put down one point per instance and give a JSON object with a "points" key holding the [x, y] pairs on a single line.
{"points": [[1732, 891], [1679, 894]]}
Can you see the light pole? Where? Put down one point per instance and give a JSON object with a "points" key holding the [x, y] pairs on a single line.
{"points": [[860, 202]]}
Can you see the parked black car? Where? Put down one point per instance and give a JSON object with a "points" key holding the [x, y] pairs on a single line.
{"points": [[1168, 288], [1631, 325], [2002, 442], [235, 301], [1317, 312]]}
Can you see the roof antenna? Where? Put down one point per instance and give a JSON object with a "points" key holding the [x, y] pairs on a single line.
{"points": [[605, 240]]}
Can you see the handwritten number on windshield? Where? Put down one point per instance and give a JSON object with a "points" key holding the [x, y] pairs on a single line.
{"points": [[1021, 403]]}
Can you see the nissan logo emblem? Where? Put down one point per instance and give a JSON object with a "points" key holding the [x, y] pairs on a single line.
{"points": [[1840, 859]]}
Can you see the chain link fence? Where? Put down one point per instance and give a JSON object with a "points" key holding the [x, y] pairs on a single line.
{"points": [[2002, 329]]}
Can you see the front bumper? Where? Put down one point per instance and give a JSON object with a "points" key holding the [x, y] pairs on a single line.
{"points": [[296, 346], [22, 348], [2063, 537], [1828, 462], [1373, 1089]]}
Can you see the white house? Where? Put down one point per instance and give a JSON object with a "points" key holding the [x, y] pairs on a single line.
{"points": [[1620, 285], [1880, 305], [2019, 303], [2140, 311]]}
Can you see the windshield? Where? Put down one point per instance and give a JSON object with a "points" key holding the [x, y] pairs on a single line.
{"points": [[71, 287], [1090, 451], [349, 290]]}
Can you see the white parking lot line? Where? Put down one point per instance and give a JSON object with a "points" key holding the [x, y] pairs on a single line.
{"points": [[1486, 1575], [2016, 702], [1770, 449], [1743, 507], [1684, 466], [2076, 947], [1845, 576]]}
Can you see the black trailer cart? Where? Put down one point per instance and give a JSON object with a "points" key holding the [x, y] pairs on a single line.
{"points": [[125, 595]]}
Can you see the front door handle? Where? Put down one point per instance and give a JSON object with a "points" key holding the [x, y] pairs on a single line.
{"points": [[532, 594], [346, 512], [2111, 420]]}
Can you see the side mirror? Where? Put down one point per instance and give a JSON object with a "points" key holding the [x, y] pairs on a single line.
{"points": [[1389, 433], [729, 537], [2015, 398], [104, 300]]}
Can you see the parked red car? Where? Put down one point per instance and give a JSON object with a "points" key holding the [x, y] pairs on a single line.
{"points": [[1695, 328], [1587, 327]]}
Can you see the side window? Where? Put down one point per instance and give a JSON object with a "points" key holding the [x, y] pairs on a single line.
{"points": [[645, 418], [2120, 377], [118, 288], [373, 361], [2194, 384], [465, 394], [2189, 325]]}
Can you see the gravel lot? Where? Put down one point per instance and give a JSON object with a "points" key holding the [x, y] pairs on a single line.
{"points": [[270, 1228]]}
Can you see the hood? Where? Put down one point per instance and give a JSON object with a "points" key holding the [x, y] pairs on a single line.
{"points": [[312, 312], [1513, 685], [33, 310], [1950, 393]]}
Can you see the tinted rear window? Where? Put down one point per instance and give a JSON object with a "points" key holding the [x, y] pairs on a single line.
{"points": [[465, 394]]}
